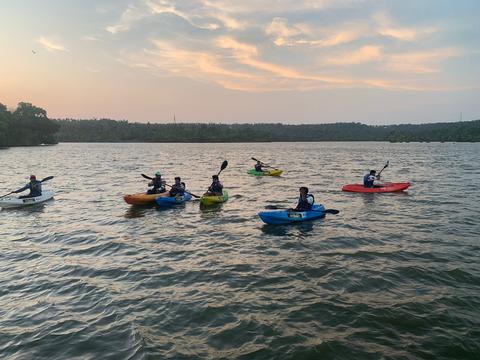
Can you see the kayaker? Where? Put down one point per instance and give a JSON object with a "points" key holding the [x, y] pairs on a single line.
{"points": [[157, 183], [178, 188], [258, 166], [34, 186], [369, 179], [305, 201], [216, 189]]}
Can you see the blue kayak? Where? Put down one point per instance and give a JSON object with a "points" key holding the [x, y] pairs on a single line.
{"points": [[173, 200], [287, 217]]}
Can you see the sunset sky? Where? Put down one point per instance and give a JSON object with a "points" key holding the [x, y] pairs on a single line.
{"points": [[293, 61]]}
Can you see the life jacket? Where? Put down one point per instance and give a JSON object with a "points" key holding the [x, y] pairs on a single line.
{"points": [[368, 180], [216, 187], [158, 186], [177, 189], [303, 204], [35, 188]]}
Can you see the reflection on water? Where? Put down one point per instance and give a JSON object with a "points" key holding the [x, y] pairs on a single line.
{"points": [[208, 211], [36, 208], [296, 230], [89, 277], [136, 211]]}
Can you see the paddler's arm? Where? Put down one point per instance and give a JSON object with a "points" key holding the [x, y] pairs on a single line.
{"points": [[22, 189]]}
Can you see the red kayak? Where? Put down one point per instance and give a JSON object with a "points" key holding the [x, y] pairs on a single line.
{"points": [[383, 188]]}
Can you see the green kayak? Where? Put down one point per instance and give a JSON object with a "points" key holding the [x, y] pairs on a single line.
{"points": [[274, 172]]}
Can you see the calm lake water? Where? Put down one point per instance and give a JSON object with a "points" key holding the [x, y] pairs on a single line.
{"points": [[393, 276]]}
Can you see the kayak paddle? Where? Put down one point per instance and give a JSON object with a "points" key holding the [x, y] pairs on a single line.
{"points": [[150, 178], [386, 165], [11, 192], [326, 211], [43, 180], [223, 167], [188, 192], [261, 162]]}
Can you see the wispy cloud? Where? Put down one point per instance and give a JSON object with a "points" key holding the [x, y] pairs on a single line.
{"points": [[359, 56], [285, 34], [385, 26], [91, 38], [132, 14], [421, 61], [247, 46], [51, 45]]}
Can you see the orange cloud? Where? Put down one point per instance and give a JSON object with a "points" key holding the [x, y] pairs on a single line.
{"points": [[362, 55], [420, 62], [386, 27], [50, 45]]}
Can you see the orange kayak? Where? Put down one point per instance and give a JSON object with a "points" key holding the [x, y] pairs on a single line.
{"points": [[143, 198]]}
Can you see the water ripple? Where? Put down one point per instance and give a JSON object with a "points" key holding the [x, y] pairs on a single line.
{"points": [[393, 276]]}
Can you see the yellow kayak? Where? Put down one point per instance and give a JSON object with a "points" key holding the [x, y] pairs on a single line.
{"points": [[211, 200], [274, 172], [143, 198]]}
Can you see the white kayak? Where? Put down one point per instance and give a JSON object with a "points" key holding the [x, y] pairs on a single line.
{"points": [[14, 202]]}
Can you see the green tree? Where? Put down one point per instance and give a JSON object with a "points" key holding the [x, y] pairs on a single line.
{"points": [[4, 125], [30, 125]]}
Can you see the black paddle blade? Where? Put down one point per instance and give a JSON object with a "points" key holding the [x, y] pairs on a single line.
{"points": [[272, 207], [332, 211], [386, 165], [224, 165], [254, 159], [146, 177], [47, 178]]}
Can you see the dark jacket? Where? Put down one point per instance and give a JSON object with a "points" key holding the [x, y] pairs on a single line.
{"points": [[158, 185], [305, 204], [216, 187], [177, 189], [368, 180], [35, 187]]}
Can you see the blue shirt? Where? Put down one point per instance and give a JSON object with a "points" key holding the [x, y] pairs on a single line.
{"points": [[368, 180], [34, 186]]}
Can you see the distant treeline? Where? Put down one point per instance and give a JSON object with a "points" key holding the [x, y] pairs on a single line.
{"points": [[27, 125], [105, 130]]}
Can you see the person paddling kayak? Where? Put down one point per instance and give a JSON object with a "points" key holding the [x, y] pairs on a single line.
{"points": [[178, 188], [216, 189], [369, 179], [258, 166], [157, 183], [305, 201], [35, 187]]}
